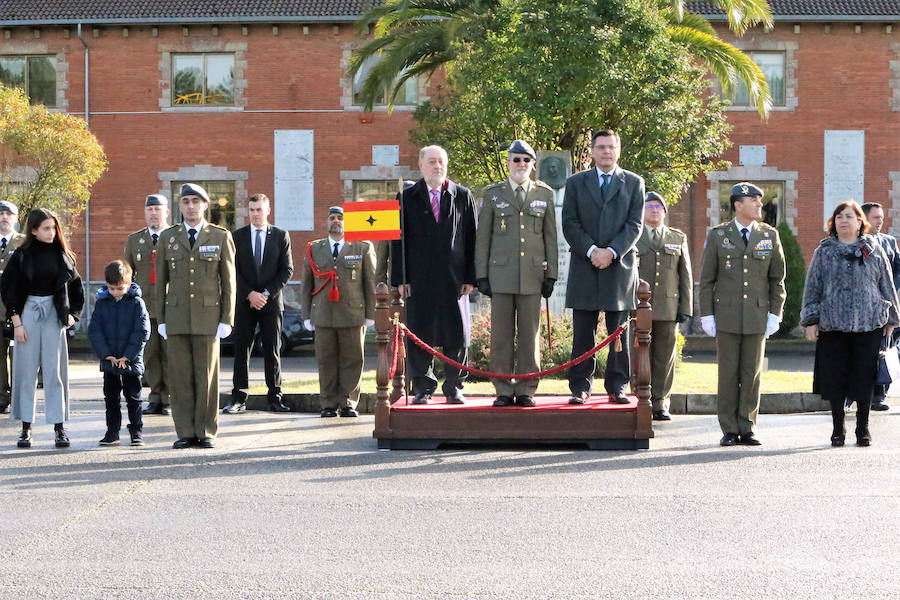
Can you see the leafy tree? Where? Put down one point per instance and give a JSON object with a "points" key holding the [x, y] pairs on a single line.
{"points": [[417, 37], [63, 159], [794, 279]]}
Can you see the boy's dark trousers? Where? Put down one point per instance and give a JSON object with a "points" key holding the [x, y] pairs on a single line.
{"points": [[129, 385]]}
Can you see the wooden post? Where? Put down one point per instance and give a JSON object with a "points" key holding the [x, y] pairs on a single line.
{"points": [[398, 312], [643, 324], [384, 338]]}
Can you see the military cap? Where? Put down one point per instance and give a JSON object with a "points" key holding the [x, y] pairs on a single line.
{"points": [[156, 200], [521, 147], [8, 207], [335, 210], [192, 189], [745, 188], [654, 197]]}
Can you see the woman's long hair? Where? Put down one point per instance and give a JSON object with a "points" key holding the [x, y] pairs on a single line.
{"points": [[852, 205], [38, 216]]}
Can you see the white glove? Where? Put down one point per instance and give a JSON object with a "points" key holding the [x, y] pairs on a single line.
{"points": [[708, 325], [369, 322], [223, 331], [309, 326], [772, 325], [161, 330]]}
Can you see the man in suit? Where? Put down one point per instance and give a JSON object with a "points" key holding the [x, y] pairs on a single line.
{"points": [[140, 254], [664, 263], [516, 262], [338, 303], [264, 265], [601, 219], [434, 267], [741, 298], [195, 308], [875, 215], [10, 239]]}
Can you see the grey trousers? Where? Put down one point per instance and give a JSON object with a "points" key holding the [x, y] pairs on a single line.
{"points": [[45, 347]]}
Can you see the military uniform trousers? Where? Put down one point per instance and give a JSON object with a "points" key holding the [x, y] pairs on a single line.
{"points": [[46, 349], [155, 367], [515, 334], [194, 384], [339, 353], [662, 362], [740, 359], [5, 388]]}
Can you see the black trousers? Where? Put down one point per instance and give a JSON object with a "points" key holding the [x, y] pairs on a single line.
{"points": [[420, 367], [846, 365], [130, 386], [245, 321], [618, 365]]}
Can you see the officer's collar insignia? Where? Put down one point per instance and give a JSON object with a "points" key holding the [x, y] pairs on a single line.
{"points": [[745, 190]]}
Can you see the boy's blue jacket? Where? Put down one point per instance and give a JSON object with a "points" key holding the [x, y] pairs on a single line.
{"points": [[120, 329]]}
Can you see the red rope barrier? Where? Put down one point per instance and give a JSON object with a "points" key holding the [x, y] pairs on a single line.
{"points": [[615, 334], [395, 351]]}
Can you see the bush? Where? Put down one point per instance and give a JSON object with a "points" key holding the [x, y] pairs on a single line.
{"points": [[794, 279]]}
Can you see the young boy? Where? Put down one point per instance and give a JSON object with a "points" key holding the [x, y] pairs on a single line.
{"points": [[119, 327]]}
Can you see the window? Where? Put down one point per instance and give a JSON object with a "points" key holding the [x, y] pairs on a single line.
{"points": [[407, 95], [202, 79], [365, 191], [772, 66], [34, 74], [773, 199], [221, 202]]}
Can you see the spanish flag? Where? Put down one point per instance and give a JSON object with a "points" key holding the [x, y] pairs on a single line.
{"points": [[372, 220]]}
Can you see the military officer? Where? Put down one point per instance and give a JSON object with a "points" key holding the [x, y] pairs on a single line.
{"points": [[741, 299], [195, 309], [140, 254], [515, 264], [338, 303], [10, 239], [664, 263]]}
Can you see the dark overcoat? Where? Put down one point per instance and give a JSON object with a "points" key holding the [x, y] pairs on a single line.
{"points": [[439, 258], [610, 219]]}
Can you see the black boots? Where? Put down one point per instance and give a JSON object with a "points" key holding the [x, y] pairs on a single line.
{"points": [[62, 440], [25, 437], [837, 417]]}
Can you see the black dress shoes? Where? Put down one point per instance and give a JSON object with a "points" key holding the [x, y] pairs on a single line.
{"points": [[61, 439], [4, 406], [661, 415], [166, 410], [504, 401], [24, 439], [619, 398], [182, 443], [748, 439], [206, 442], [327, 412], [153, 408], [837, 440], [346, 411], [421, 398], [579, 398], [863, 438], [237, 406], [456, 398], [729, 439], [277, 405], [524, 400], [879, 404]]}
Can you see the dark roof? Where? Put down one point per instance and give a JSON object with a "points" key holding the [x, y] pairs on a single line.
{"points": [[817, 9], [34, 12]]}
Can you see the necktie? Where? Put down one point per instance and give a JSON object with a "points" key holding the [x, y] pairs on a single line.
{"points": [[3, 245], [192, 233], [605, 179], [436, 205], [654, 235], [155, 237], [745, 236], [520, 195], [334, 253], [257, 248]]}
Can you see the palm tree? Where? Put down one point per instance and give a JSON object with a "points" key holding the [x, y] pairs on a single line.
{"points": [[417, 37]]}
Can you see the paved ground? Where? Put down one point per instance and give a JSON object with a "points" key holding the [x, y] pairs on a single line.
{"points": [[294, 507]]}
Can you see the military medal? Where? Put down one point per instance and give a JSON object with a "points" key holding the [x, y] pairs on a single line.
{"points": [[502, 224], [141, 241], [174, 246], [727, 263], [353, 275]]}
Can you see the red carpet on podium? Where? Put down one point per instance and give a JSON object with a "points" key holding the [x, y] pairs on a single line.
{"points": [[479, 404]]}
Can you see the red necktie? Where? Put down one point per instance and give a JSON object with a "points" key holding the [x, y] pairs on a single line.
{"points": [[436, 205]]}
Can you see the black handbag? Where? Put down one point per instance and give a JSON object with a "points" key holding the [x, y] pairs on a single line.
{"points": [[888, 366], [9, 331]]}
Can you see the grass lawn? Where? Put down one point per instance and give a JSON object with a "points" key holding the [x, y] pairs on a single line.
{"points": [[690, 378]]}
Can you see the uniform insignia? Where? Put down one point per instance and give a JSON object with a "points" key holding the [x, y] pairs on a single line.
{"points": [[766, 234], [745, 190], [721, 233], [138, 257], [539, 204], [727, 244], [209, 248], [494, 199], [141, 241], [174, 246], [171, 239], [727, 263], [501, 204], [673, 246], [353, 257], [764, 245]]}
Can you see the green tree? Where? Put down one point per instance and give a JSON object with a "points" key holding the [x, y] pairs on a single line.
{"points": [[794, 279], [416, 37], [60, 157]]}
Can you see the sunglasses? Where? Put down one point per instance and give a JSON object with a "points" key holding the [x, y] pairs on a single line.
{"points": [[518, 159]]}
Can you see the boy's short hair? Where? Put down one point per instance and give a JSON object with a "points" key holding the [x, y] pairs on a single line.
{"points": [[117, 272]]}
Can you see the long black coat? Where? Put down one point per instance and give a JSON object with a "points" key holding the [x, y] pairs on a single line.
{"points": [[277, 267], [607, 220], [439, 259]]}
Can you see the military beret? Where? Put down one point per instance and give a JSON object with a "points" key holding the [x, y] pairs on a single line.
{"points": [[335, 210], [192, 189], [745, 188], [8, 207], [654, 197], [156, 200], [521, 147]]}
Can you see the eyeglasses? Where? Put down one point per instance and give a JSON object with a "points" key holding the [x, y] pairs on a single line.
{"points": [[525, 159]]}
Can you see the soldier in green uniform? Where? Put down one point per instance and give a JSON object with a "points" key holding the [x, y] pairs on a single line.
{"points": [[140, 254], [339, 309], [195, 308], [741, 298], [516, 261], [664, 263], [10, 239]]}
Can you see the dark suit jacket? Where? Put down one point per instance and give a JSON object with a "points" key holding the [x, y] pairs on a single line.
{"points": [[613, 219], [439, 259], [277, 266]]}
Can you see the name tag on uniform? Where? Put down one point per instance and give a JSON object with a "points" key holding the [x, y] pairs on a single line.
{"points": [[206, 249]]}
